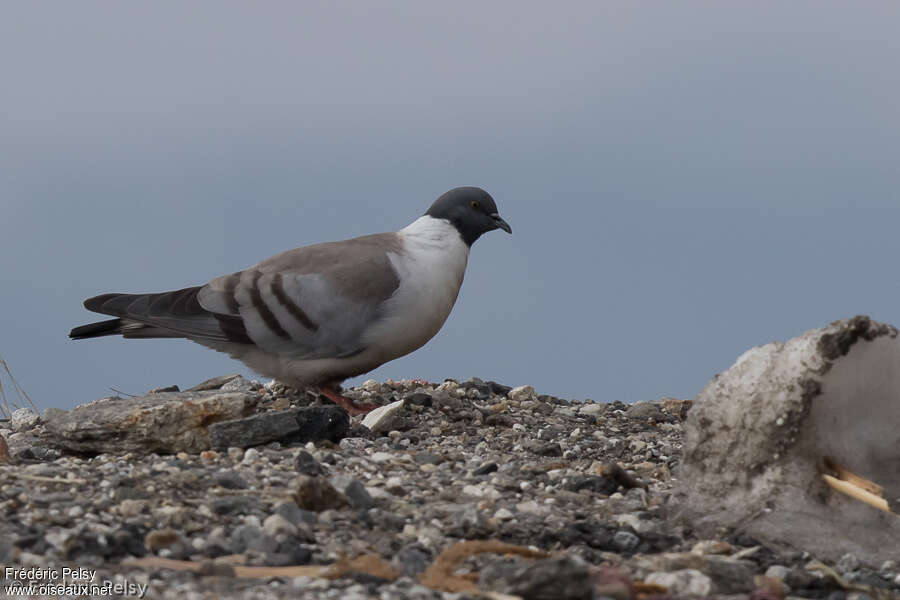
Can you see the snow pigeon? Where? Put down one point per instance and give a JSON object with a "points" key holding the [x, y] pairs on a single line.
{"points": [[316, 315]]}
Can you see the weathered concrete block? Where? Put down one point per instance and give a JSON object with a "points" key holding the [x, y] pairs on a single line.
{"points": [[760, 435]]}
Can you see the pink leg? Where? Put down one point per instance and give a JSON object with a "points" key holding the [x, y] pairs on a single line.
{"points": [[345, 403]]}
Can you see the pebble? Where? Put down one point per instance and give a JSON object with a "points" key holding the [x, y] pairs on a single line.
{"points": [[688, 582], [276, 524], [522, 393]]}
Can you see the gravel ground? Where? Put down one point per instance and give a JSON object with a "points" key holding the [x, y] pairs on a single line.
{"points": [[465, 490]]}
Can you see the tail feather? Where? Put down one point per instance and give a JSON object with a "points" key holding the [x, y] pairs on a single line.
{"points": [[165, 315], [99, 329]]}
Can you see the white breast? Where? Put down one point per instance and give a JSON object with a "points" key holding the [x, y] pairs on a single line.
{"points": [[430, 268]]}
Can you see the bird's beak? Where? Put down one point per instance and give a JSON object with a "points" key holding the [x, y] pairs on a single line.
{"points": [[501, 223]]}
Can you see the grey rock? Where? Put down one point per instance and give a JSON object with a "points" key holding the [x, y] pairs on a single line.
{"points": [[213, 384], [594, 483], [296, 515], [550, 579], [239, 384], [295, 425], [411, 561], [168, 388], [644, 410], [308, 465], [847, 563], [485, 468], [355, 491], [543, 448], [164, 423], [625, 541], [230, 480], [253, 538]]}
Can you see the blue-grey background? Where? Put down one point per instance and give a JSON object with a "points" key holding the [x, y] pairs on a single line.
{"points": [[684, 179]]}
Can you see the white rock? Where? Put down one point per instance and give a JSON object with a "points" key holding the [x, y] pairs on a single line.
{"points": [[778, 572], [393, 483], [504, 515], [381, 457], [382, 418], [522, 393], [23, 419], [473, 490], [688, 582], [276, 524], [530, 506], [592, 410]]}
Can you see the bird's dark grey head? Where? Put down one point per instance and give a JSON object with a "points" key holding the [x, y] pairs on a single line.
{"points": [[471, 210]]}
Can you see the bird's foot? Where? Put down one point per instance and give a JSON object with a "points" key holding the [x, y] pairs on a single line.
{"points": [[347, 404]]}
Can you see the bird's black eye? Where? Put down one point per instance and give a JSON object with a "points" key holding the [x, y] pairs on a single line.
{"points": [[474, 203]]}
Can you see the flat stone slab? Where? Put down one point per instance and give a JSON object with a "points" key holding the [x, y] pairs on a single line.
{"points": [[295, 425], [164, 423]]}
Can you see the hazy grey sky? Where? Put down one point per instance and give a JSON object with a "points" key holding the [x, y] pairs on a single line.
{"points": [[684, 179]]}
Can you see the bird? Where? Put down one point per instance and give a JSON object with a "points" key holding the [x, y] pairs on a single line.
{"points": [[319, 314]]}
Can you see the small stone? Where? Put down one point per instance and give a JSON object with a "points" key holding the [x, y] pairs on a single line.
{"points": [[522, 393], [239, 384], [161, 538], [209, 455], [308, 465], [161, 390], [625, 541], [543, 448], [485, 468], [688, 582], [592, 410], [504, 514], [213, 384], [317, 494], [381, 457], [382, 418], [250, 456], [253, 538], [560, 578], [275, 525], [411, 561], [23, 419], [230, 480], [355, 491], [598, 484], [712, 547], [296, 515], [529, 506], [847, 564], [644, 410], [419, 399], [778, 572]]}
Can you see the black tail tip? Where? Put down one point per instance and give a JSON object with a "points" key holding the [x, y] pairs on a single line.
{"points": [[99, 329]]}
